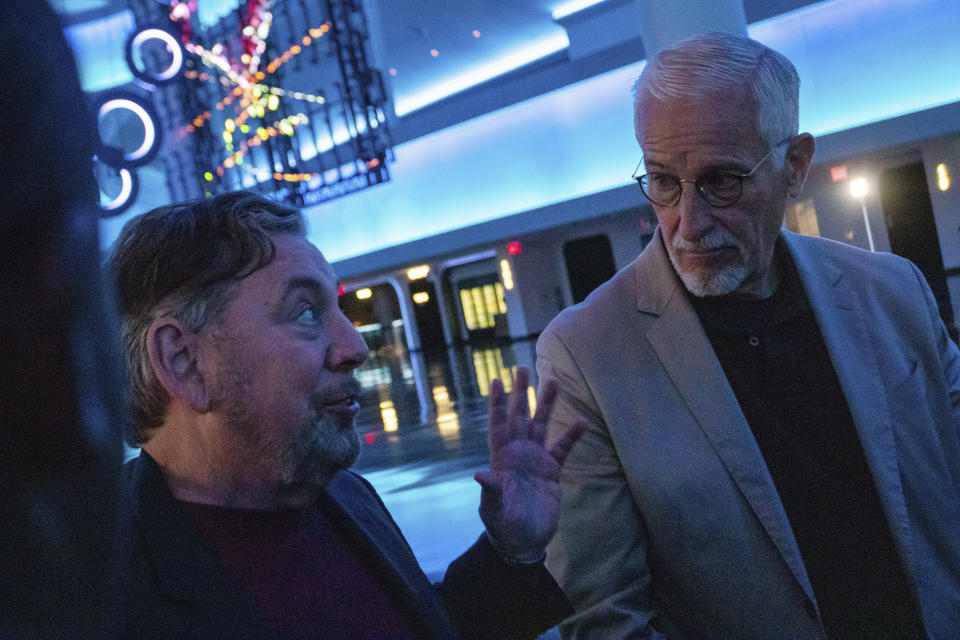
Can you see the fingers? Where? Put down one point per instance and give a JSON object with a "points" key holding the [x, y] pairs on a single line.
{"points": [[499, 431], [561, 447], [541, 418], [518, 410], [491, 495]]}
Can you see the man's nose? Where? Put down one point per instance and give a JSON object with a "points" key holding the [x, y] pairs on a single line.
{"points": [[696, 214], [347, 349]]}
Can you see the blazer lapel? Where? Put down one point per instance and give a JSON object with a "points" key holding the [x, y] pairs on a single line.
{"points": [[186, 570], [354, 507], [687, 357]]}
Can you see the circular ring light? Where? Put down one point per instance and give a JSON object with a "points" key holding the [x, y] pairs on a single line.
{"points": [[162, 76], [128, 192], [150, 144]]}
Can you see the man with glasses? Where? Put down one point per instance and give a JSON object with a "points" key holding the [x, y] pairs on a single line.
{"points": [[772, 446]]}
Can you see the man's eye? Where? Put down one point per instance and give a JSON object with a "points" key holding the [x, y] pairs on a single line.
{"points": [[662, 180], [309, 316], [720, 181]]}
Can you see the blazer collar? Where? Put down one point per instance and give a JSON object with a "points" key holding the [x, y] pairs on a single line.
{"points": [[351, 503], [186, 568], [687, 357], [189, 571]]}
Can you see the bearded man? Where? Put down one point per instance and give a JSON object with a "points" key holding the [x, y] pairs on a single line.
{"points": [[246, 520]]}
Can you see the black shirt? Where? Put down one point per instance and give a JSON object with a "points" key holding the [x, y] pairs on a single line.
{"points": [[774, 357]]}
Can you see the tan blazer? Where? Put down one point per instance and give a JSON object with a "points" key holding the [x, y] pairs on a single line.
{"points": [[670, 522]]}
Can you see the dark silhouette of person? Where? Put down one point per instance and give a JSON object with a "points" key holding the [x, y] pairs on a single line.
{"points": [[62, 393]]}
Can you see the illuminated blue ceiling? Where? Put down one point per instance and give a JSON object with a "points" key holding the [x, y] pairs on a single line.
{"points": [[860, 61]]}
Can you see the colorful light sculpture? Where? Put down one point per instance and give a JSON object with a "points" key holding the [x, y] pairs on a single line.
{"points": [[268, 104]]}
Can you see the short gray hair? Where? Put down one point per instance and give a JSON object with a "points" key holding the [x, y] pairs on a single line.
{"points": [[183, 261], [704, 64]]}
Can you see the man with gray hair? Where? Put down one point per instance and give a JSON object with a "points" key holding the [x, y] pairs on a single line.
{"points": [[773, 437], [245, 520]]}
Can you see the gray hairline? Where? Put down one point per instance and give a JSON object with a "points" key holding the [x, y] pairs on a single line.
{"points": [[722, 62]]}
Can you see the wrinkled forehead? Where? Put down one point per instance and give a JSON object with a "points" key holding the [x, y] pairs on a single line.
{"points": [[723, 114]]}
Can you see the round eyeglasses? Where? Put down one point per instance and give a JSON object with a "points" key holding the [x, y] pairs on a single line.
{"points": [[720, 188]]}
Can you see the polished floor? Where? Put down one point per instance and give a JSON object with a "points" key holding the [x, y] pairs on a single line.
{"points": [[424, 424]]}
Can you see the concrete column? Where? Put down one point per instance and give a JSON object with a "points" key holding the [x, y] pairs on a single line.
{"points": [[664, 23], [436, 277], [402, 286]]}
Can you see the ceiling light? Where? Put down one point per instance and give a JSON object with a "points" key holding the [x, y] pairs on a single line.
{"points": [[565, 9], [418, 273]]}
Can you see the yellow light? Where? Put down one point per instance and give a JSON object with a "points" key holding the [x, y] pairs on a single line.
{"points": [[229, 125], [208, 176], [483, 322], [506, 274], [418, 273], [389, 415], [363, 294], [273, 102], [421, 297], [490, 300], [469, 316], [943, 177], [227, 137], [532, 400], [858, 188], [448, 423]]}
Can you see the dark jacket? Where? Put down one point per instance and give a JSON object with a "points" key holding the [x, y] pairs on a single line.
{"points": [[177, 588]]}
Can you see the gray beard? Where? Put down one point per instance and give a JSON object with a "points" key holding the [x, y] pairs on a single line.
{"points": [[322, 452], [319, 451], [718, 284]]}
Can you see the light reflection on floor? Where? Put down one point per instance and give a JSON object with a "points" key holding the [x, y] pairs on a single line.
{"points": [[425, 436]]}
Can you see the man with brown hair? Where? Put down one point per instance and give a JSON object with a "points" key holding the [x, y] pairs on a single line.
{"points": [[247, 522]]}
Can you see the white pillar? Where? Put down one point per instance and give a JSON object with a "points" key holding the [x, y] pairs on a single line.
{"points": [[663, 24]]}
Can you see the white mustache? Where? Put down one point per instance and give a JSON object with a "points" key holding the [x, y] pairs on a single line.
{"points": [[716, 239]]}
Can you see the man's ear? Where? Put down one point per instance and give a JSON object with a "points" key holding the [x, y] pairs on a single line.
{"points": [[173, 351], [799, 157]]}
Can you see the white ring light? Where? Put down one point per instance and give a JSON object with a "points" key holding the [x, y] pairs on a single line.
{"points": [[172, 45], [149, 129], [126, 189]]}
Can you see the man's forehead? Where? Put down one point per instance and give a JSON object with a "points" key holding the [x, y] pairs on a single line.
{"points": [[734, 109], [295, 257]]}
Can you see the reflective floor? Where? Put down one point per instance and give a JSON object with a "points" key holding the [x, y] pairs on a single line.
{"points": [[424, 422]]}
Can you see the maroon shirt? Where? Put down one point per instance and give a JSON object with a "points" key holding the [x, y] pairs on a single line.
{"points": [[307, 578]]}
